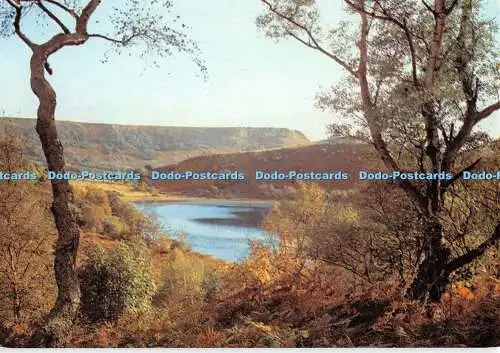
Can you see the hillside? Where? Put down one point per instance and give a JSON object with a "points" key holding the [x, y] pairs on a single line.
{"points": [[126, 146], [347, 157]]}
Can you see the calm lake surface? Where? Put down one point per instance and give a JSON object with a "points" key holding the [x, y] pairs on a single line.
{"points": [[219, 229]]}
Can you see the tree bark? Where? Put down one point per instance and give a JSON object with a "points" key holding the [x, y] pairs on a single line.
{"points": [[432, 276], [435, 268], [54, 330], [16, 307]]}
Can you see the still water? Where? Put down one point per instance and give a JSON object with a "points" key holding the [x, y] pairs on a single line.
{"points": [[219, 229]]}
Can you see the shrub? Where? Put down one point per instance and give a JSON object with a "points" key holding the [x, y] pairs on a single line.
{"points": [[114, 227], [92, 206], [27, 235], [120, 281], [134, 219], [188, 278], [211, 284]]}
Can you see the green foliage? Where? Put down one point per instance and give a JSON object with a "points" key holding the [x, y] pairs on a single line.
{"points": [[114, 227], [120, 281]]}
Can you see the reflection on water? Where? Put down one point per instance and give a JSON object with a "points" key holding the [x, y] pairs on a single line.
{"points": [[219, 229]]}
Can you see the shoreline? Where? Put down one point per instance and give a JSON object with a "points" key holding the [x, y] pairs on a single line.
{"points": [[190, 199], [127, 194]]}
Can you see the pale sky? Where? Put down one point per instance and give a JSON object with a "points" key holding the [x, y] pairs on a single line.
{"points": [[252, 80]]}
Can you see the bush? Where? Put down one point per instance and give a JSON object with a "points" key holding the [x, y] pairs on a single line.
{"points": [[120, 281], [27, 235], [92, 207], [189, 279], [135, 221], [114, 227]]}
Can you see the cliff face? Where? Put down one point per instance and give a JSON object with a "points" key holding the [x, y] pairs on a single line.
{"points": [[126, 146]]}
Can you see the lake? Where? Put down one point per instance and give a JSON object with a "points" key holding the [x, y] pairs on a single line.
{"points": [[219, 229]]}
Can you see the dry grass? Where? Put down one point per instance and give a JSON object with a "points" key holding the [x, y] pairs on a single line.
{"points": [[261, 303]]}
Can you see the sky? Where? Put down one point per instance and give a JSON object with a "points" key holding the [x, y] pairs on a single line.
{"points": [[252, 80]]}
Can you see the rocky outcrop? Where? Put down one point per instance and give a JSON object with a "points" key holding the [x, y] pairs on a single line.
{"points": [[108, 146]]}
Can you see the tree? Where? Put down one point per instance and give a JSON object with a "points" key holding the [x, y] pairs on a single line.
{"points": [[135, 23], [420, 77]]}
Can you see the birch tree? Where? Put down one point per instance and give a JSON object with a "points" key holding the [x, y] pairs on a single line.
{"points": [[419, 78], [146, 26]]}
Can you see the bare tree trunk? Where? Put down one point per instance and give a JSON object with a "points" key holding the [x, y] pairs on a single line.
{"points": [[57, 325], [16, 306], [432, 276]]}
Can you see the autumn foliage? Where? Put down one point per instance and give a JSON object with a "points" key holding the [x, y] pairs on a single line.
{"points": [[332, 273]]}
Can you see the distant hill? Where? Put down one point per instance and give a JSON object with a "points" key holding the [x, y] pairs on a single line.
{"points": [[107, 146], [348, 157]]}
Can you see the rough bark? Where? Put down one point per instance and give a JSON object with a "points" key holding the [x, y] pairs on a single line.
{"points": [[432, 277], [56, 326]]}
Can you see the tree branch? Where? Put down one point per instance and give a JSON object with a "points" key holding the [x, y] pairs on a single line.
{"points": [[14, 4], [72, 39], [452, 6], [370, 115], [109, 39], [475, 253], [437, 41], [413, 55], [17, 25], [83, 19], [446, 183], [296, 37], [52, 16], [428, 7], [124, 41], [403, 25], [62, 7], [483, 114], [316, 46], [470, 88]]}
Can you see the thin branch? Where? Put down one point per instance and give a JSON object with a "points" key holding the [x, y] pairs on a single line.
{"points": [[428, 7], [402, 25], [472, 116], [314, 41], [474, 254], [17, 25], [483, 114], [413, 55], [446, 183], [124, 41], [14, 4], [52, 16], [446, 138], [109, 39], [377, 91], [62, 7], [307, 44], [452, 6]]}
